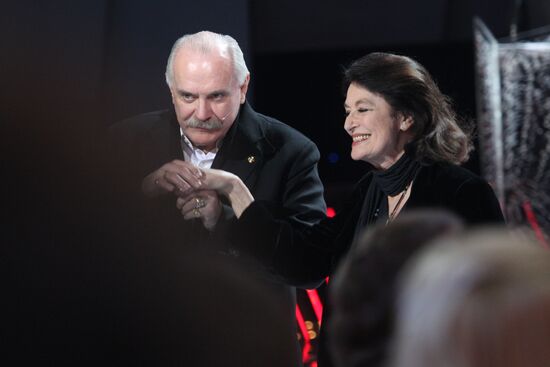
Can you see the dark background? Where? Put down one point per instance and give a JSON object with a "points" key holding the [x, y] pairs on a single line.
{"points": [[69, 69]]}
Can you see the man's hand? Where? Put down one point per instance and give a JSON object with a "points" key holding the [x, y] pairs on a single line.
{"points": [[203, 204], [177, 177]]}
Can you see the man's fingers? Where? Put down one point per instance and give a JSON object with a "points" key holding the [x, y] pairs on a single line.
{"points": [[195, 202], [164, 184], [180, 202], [182, 179], [178, 177], [205, 206], [194, 171], [192, 214], [185, 203], [191, 174], [155, 184], [177, 181]]}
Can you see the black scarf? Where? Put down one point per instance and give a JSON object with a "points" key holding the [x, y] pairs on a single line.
{"points": [[386, 183]]}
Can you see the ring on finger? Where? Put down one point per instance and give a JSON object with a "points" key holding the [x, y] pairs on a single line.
{"points": [[199, 203], [196, 212]]}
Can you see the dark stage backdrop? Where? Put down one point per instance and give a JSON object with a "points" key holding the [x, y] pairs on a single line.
{"points": [[84, 65], [69, 69], [301, 48]]}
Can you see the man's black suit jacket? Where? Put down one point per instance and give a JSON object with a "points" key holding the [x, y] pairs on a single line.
{"points": [[276, 162]]}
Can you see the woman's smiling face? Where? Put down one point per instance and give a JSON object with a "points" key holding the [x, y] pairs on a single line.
{"points": [[378, 133]]}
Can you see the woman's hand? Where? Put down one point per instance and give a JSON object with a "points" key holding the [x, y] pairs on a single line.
{"points": [[229, 185], [218, 180]]}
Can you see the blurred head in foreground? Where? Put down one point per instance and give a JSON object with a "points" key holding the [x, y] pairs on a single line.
{"points": [[482, 299], [363, 288]]}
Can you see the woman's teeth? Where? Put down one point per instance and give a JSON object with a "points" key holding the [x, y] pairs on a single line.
{"points": [[359, 138]]}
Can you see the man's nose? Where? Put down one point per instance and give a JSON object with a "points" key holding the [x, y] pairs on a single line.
{"points": [[203, 111]]}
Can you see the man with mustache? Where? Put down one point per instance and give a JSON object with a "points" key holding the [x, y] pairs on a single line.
{"points": [[212, 126]]}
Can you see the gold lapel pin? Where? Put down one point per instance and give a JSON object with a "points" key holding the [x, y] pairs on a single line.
{"points": [[251, 159]]}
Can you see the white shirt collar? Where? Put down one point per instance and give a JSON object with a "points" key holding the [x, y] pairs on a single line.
{"points": [[197, 156]]}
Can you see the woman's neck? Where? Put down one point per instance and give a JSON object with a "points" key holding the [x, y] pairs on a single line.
{"points": [[388, 161]]}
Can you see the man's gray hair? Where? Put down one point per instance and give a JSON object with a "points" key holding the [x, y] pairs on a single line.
{"points": [[207, 42]]}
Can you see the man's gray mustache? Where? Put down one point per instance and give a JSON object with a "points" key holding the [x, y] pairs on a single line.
{"points": [[212, 123]]}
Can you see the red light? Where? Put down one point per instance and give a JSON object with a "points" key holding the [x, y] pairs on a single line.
{"points": [[305, 335], [331, 212], [316, 303], [531, 217]]}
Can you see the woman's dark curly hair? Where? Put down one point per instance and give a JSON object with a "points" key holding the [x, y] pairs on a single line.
{"points": [[410, 90]]}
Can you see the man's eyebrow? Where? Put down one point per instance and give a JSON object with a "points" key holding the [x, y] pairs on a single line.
{"points": [[183, 92], [218, 92], [222, 92]]}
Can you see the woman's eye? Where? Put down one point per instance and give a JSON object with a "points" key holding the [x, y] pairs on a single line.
{"points": [[359, 110]]}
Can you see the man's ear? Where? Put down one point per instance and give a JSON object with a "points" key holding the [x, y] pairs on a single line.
{"points": [[406, 123], [244, 88]]}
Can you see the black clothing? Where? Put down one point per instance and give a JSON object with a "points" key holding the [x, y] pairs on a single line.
{"points": [[304, 256], [276, 162], [395, 180], [288, 247]]}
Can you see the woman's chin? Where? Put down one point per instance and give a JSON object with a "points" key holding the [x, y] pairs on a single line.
{"points": [[358, 157]]}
